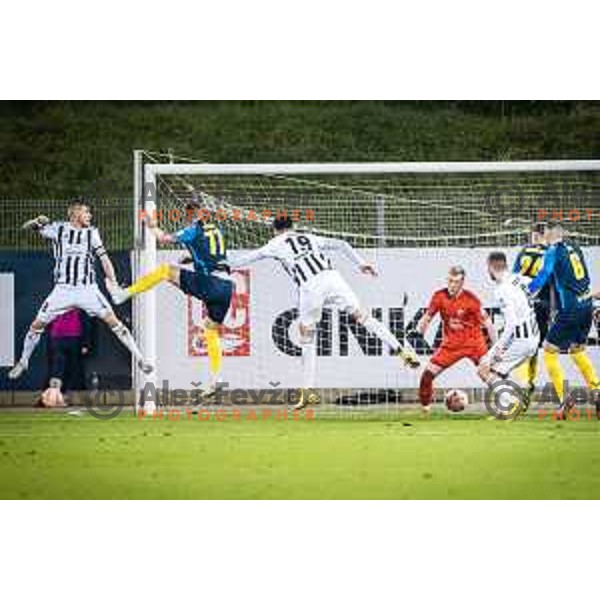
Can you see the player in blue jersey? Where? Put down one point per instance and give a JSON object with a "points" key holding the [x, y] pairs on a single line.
{"points": [[529, 263], [209, 280], [565, 268]]}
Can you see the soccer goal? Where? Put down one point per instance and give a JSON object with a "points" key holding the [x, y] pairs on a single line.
{"points": [[412, 220]]}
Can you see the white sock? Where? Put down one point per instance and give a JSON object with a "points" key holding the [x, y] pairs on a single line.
{"points": [[31, 341], [376, 327], [309, 362], [127, 340]]}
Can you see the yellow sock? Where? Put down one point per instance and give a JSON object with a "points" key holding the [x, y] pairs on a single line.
{"points": [[143, 284], [586, 368], [522, 372], [213, 348], [552, 361]]}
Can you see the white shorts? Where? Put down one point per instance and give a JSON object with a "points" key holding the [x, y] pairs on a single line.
{"points": [[517, 352], [326, 289], [63, 298]]}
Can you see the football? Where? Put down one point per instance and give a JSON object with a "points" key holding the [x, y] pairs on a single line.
{"points": [[456, 400], [52, 398]]}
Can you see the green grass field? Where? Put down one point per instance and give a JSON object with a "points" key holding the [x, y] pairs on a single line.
{"points": [[46, 455]]}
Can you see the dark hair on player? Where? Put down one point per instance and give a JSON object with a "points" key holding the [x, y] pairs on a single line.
{"points": [[283, 222], [539, 227], [193, 205], [457, 270], [497, 257]]}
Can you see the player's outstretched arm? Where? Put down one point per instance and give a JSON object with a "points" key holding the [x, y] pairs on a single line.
{"points": [[102, 255], [427, 317], [489, 326], [108, 268], [162, 237], [546, 271], [247, 258], [423, 323], [36, 224], [349, 252]]}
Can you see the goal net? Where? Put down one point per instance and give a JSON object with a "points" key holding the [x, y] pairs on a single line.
{"points": [[412, 220]]}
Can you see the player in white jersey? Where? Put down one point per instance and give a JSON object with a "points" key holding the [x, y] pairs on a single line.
{"points": [[520, 338], [319, 285], [76, 245]]}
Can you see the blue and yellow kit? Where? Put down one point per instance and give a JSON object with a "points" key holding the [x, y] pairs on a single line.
{"points": [[209, 281]]}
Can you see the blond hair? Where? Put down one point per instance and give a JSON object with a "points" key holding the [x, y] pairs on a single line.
{"points": [[74, 207]]}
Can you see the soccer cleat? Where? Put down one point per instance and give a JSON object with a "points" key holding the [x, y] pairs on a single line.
{"points": [[408, 357], [146, 368], [118, 294], [18, 370], [208, 391], [527, 396], [306, 398]]}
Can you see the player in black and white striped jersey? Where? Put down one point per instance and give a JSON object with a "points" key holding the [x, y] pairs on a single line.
{"points": [[520, 337], [303, 256], [76, 245]]}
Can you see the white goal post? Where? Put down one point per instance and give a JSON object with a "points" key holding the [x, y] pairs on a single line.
{"points": [[393, 211]]}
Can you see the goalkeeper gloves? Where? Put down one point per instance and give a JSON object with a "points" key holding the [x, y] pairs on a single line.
{"points": [[37, 223]]}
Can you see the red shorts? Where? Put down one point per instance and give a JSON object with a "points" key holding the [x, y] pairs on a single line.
{"points": [[446, 356]]}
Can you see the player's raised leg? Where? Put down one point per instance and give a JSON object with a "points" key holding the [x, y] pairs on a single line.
{"points": [[32, 339], [123, 334], [377, 328], [163, 272], [57, 303], [343, 296]]}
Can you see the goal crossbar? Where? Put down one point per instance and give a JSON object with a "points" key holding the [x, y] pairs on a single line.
{"points": [[526, 166]]}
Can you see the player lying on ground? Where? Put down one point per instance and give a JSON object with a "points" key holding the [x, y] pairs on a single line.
{"points": [[520, 337], [76, 245], [565, 267], [529, 263], [209, 281], [462, 318], [319, 285]]}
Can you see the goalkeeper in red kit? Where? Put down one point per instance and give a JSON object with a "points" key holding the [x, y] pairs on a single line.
{"points": [[462, 319]]}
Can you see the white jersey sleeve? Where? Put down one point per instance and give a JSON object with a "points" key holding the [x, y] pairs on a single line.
{"points": [[49, 231], [247, 258], [96, 243], [342, 246]]}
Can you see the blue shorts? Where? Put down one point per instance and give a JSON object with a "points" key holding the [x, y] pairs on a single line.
{"points": [[571, 328], [215, 292]]}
